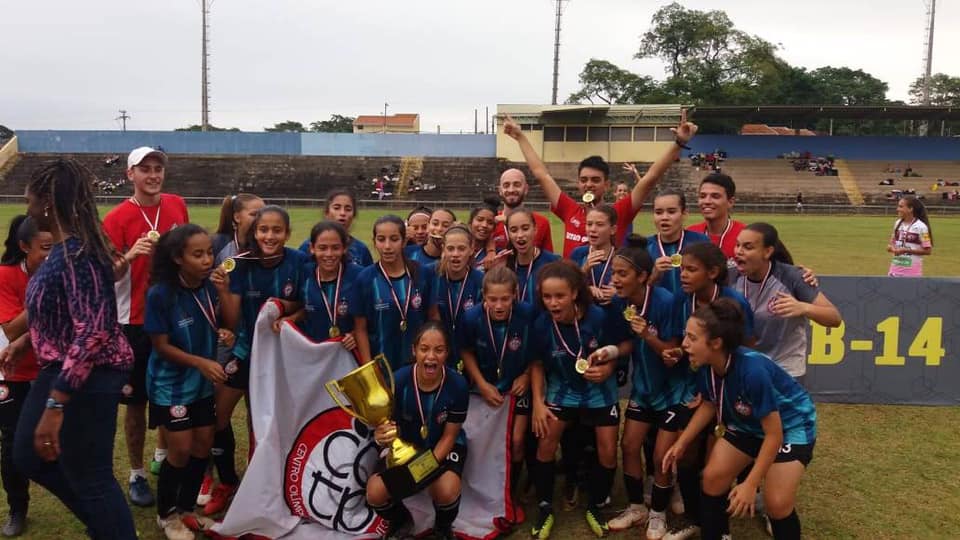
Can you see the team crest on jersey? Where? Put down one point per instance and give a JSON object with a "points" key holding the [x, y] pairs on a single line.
{"points": [[127, 390], [416, 301], [653, 330], [593, 344], [742, 407], [288, 289], [342, 308], [467, 304], [232, 367], [178, 411], [442, 417], [4, 392], [514, 343]]}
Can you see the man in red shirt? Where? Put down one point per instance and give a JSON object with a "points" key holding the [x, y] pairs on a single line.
{"points": [[593, 182], [513, 190], [716, 198], [134, 226]]}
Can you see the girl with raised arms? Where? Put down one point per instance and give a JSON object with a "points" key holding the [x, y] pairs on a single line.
{"points": [[762, 417], [429, 409]]}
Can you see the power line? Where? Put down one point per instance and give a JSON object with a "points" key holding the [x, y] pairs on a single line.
{"points": [[123, 117]]}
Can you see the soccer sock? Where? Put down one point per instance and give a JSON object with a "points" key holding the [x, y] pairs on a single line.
{"points": [[649, 443], [137, 473], [394, 513], [689, 480], [660, 497], [543, 477], [713, 517], [515, 468], [224, 447], [601, 482], [168, 485], [787, 528], [159, 454], [446, 514], [190, 483], [634, 487], [571, 453]]}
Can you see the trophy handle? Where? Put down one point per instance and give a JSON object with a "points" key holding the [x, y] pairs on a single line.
{"points": [[385, 367], [333, 388]]}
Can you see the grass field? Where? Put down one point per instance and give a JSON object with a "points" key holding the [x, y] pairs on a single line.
{"points": [[878, 472]]}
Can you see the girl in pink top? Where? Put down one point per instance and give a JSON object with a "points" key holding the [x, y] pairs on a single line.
{"points": [[912, 238]]}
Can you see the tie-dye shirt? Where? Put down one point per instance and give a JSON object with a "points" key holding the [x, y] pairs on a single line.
{"points": [[72, 308]]}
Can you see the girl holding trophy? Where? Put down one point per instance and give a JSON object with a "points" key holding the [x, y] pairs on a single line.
{"points": [[429, 408]]}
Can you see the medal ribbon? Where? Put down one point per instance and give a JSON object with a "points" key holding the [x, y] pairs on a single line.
{"points": [[416, 391], [156, 222], [455, 308], [526, 280], [331, 310], [646, 302], [493, 342], [603, 272], [718, 398], [396, 299], [211, 315], [663, 252], [762, 285], [563, 342], [693, 298]]}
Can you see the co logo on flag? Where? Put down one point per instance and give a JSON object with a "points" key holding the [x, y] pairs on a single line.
{"points": [[453, 457]]}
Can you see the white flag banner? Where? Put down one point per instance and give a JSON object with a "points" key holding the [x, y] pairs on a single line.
{"points": [[324, 456]]}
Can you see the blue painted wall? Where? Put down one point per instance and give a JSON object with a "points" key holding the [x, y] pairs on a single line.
{"points": [[876, 148], [175, 142], [427, 145]]}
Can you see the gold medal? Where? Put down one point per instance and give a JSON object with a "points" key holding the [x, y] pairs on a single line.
{"points": [[719, 430], [588, 197], [334, 331], [403, 326], [630, 313], [676, 260], [153, 235], [424, 432], [582, 365], [229, 264]]}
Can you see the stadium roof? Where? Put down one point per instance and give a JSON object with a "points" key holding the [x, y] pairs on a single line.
{"points": [[858, 112]]}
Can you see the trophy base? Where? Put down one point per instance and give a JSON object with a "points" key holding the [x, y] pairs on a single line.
{"points": [[405, 480]]}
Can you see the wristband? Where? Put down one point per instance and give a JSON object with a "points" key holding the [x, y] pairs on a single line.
{"points": [[681, 145]]}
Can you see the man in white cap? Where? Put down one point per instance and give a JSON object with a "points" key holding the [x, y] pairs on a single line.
{"points": [[134, 226]]}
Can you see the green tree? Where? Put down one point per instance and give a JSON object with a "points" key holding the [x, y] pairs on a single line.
{"points": [[845, 86], [336, 124], [603, 81], [287, 127], [944, 90], [196, 127]]}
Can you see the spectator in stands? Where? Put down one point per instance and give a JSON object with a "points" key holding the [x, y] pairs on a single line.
{"points": [[513, 190], [886, 182], [799, 202]]}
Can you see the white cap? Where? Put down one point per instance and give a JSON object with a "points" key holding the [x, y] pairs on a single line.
{"points": [[139, 154]]}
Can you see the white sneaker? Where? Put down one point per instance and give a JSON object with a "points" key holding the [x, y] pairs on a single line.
{"points": [[683, 531], [174, 529], [647, 490], [656, 525], [676, 501], [634, 516]]}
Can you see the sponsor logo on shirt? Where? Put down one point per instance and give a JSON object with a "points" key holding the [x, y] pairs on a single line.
{"points": [[381, 306], [183, 323], [575, 222], [575, 237]]}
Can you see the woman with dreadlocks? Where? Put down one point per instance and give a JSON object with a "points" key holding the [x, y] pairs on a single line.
{"points": [[66, 430]]}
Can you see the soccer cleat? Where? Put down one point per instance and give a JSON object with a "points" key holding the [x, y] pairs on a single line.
{"points": [[154, 467], [173, 528], [541, 530], [196, 522], [571, 494], [634, 516], [657, 525], [219, 499], [596, 522], [140, 494], [682, 530], [206, 489], [15, 524], [444, 534], [676, 501]]}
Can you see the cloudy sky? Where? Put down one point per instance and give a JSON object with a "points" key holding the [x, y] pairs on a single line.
{"points": [[73, 65]]}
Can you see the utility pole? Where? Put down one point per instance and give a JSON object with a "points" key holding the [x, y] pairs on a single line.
{"points": [[204, 70], [123, 118], [928, 51], [385, 105], [556, 51]]}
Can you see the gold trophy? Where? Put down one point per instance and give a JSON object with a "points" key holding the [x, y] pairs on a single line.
{"points": [[370, 397]]}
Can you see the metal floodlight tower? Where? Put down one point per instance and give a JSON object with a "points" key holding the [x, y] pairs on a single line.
{"points": [[204, 67], [928, 50], [556, 50]]}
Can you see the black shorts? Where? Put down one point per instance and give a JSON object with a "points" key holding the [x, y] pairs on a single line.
{"points": [[598, 417], [238, 373], [787, 453], [12, 396], [672, 419], [134, 392], [201, 413], [521, 407]]}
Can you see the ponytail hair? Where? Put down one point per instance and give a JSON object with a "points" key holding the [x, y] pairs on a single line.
{"points": [[490, 202], [22, 231], [230, 206], [710, 256], [919, 212], [164, 268], [568, 271], [635, 253], [723, 319], [411, 266], [500, 275], [771, 238]]}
